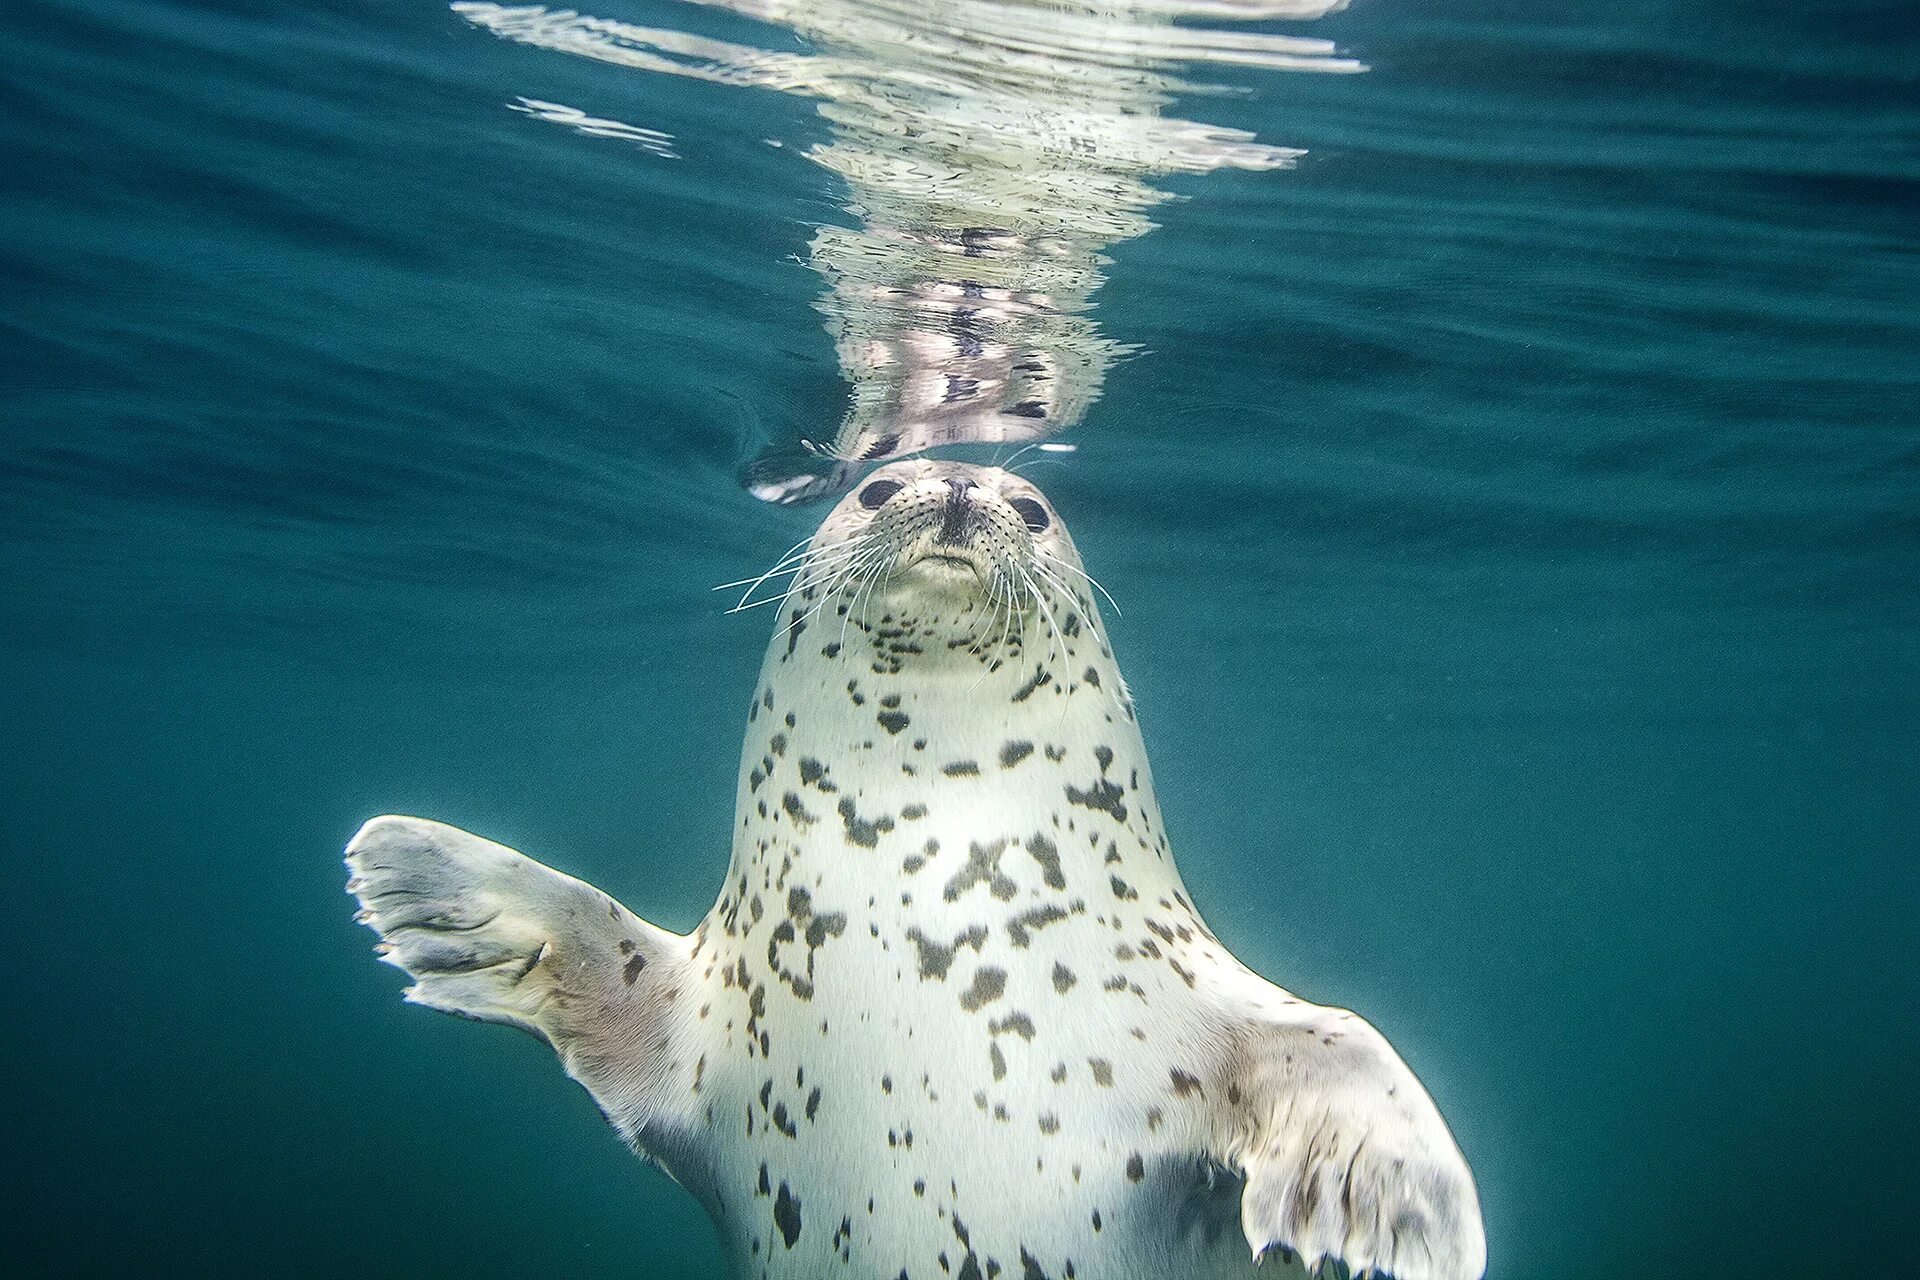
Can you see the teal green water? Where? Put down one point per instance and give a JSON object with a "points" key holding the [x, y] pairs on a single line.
{"points": [[1516, 510]]}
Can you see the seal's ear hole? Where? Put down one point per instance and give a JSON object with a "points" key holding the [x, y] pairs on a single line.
{"points": [[1031, 512], [876, 494]]}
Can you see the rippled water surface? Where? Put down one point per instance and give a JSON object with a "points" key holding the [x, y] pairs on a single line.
{"points": [[1500, 423]]}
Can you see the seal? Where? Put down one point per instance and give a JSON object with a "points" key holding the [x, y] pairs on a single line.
{"points": [[954, 1013]]}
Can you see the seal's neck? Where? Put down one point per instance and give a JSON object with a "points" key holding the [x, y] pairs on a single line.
{"points": [[877, 747], [862, 670]]}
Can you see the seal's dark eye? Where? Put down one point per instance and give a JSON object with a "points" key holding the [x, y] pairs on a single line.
{"points": [[875, 495], [1032, 512]]}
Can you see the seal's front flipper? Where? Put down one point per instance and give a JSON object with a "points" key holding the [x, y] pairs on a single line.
{"points": [[1345, 1155], [488, 933]]}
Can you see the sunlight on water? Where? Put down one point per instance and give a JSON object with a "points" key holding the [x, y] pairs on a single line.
{"points": [[992, 152], [650, 140]]}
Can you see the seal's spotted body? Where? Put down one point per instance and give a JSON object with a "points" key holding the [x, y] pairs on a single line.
{"points": [[953, 1013]]}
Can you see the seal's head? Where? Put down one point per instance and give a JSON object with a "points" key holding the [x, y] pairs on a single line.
{"points": [[973, 559]]}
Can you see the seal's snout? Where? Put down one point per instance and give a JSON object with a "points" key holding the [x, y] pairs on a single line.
{"points": [[956, 514]]}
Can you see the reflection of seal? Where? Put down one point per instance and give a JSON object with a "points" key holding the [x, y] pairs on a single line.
{"points": [[953, 1014], [993, 154]]}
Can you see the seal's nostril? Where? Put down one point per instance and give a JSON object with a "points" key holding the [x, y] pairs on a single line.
{"points": [[953, 517]]}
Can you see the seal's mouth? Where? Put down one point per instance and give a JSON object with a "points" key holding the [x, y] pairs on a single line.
{"points": [[948, 560]]}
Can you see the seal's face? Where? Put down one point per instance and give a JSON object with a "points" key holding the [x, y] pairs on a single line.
{"points": [[975, 553]]}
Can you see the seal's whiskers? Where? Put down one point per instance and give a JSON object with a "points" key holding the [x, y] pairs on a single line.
{"points": [[789, 555], [790, 563], [1068, 564], [1056, 643], [831, 588], [870, 567]]}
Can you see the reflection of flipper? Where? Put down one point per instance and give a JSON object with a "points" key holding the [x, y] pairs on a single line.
{"points": [[1345, 1155], [790, 477], [488, 933]]}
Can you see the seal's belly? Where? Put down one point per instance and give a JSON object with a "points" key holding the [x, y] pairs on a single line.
{"points": [[893, 1184], [908, 1097]]}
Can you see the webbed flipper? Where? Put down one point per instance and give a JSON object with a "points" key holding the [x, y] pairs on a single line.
{"points": [[1345, 1156], [488, 933]]}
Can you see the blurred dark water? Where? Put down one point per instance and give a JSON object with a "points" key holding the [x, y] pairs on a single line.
{"points": [[1516, 510]]}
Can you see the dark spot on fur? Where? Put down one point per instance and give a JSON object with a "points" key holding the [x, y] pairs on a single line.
{"points": [[786, 1215], [1102, 795], [1013, 753], [862, 831], [936, 959], [1048, 856], [1018, 1023], [989, 984], [1020, 928], [822, 927], [983, 867], [1026, 690]]}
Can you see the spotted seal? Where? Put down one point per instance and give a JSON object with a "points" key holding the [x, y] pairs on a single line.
{"points": [[954, 1014]]}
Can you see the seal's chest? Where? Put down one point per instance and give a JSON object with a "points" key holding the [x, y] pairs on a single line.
{"points": [[894, 1053]]}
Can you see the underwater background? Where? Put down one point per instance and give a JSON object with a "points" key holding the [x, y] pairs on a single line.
{"points": [[1515, 505]]}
